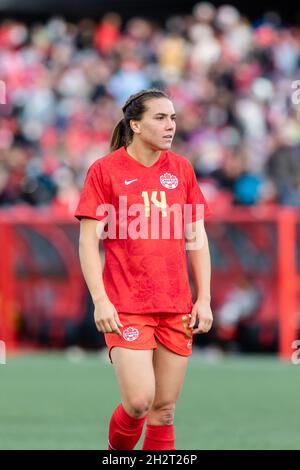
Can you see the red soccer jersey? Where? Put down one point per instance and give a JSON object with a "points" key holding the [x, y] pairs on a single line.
{"points": [[144, 273]]}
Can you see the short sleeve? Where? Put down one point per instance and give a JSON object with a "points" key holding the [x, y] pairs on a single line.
{"points": [[94, 195], [196, 205]]}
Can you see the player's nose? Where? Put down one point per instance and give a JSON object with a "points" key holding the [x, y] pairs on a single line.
{"points": [[170, 125]]}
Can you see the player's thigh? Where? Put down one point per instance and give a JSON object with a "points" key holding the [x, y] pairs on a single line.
{"points": [[169, 370], [135, 375]]}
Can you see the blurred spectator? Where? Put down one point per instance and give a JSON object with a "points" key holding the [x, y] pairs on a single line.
{"points": [[241, 302], [230, 81]]}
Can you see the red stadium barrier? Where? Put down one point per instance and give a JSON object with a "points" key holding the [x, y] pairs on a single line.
{"points": [[7, 287], [273, 235], [41, 281], [287, 279]]}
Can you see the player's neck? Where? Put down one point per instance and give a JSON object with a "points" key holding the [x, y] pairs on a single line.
{"points": [[143, 154]]}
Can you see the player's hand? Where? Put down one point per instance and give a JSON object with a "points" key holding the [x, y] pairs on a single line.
{"points": [[106, 317], [201, 314]]}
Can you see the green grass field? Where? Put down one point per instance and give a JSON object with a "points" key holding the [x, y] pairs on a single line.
{"points": [[48, 401]]}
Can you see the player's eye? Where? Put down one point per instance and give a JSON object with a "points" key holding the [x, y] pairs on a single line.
{"points": [[162, 117]]}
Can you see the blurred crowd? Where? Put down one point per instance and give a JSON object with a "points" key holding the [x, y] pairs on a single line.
{"points": [[231, 82]]}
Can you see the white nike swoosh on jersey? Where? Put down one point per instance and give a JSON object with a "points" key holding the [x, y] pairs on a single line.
{"points": [[129, 182]]}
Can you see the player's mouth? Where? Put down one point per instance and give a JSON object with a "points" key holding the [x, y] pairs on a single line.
{"points": [[168, 137]]}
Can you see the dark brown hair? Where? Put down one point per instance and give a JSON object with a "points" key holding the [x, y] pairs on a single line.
{"points": [[134, 108]]}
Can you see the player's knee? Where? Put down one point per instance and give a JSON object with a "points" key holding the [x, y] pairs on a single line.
{"points": [[139, 406], [164, 414]]}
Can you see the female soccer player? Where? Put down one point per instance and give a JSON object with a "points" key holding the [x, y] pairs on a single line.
{"points": [[144, 202]]}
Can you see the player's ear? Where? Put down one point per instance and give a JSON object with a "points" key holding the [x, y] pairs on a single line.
{"points": [[135, 126]]}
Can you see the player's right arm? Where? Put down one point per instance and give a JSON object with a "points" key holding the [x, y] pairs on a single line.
{"points": [[105, 315]]}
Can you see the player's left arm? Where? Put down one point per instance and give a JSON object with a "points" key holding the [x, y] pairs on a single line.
{"points": [[199, 257]]}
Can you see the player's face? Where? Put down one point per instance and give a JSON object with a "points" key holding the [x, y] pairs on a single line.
{"points": [[157, 127]]}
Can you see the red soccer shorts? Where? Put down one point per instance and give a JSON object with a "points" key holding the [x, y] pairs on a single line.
{"points": [[141, 332]]}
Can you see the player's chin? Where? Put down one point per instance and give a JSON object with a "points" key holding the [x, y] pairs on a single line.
{"points": [[166, 144]]}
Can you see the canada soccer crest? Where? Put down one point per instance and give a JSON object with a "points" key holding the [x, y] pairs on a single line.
{"points": [[169, 181], [131, 334]]}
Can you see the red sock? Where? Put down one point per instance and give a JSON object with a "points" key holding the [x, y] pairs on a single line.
{"points": [[124, 430], [159, 437]]}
